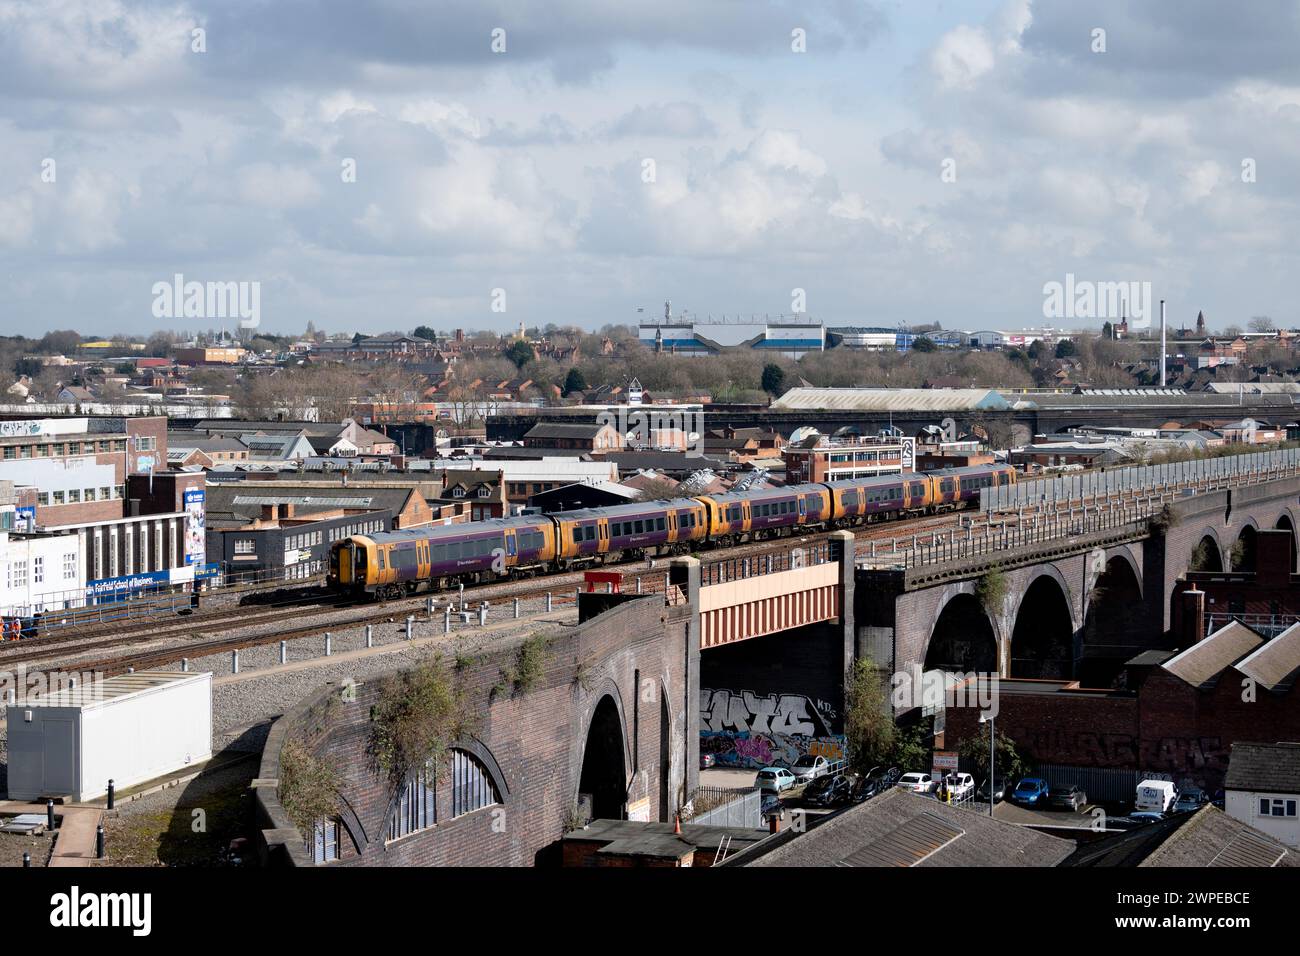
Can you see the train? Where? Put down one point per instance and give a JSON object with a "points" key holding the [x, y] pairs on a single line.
{"points": [[397, 563]]}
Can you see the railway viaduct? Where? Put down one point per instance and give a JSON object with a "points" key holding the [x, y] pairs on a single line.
{"points": [[1073, 606]]}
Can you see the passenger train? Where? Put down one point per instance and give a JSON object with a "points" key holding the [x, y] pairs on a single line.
{"points": [[397, 563]]}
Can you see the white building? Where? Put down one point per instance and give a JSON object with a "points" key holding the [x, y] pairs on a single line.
{"points": [[39, 573], [1262, 789]]}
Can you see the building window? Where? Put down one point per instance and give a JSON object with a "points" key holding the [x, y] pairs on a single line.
{"points": [[471, 786], [42, 497], [325, 841], [245, 546], [1277, 807], [19, 574], [145, 443], [105, 494], [38, 570], [74, 496], [9, 452], [416, 809], [69, 567], [58, 497]]}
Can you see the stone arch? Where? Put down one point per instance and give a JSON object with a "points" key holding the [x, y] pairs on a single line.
{"points": [[605, 759], [1286, 522], [965, 636], [476, 749], [1043, 634], [1115, 616], [1124, 554]]}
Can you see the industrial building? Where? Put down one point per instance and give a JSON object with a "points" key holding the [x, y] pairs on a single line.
{"points": [[792, 336]]}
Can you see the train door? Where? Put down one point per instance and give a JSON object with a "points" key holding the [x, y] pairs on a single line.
{"points": [[803, 507], [512, 546]]}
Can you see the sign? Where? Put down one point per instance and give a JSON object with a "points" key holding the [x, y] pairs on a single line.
{"points": [[116, 587], [205, 571], [25, 518], [196, 547], [909, 454], [944, 761], [639, 810]]}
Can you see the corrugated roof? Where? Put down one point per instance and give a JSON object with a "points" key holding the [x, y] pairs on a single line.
{"points": [[1204, 661], [113, 688], [890, 399], [907, 844], [319, 502], [1277, 660]]}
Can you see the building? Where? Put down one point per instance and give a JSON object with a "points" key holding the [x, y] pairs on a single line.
{"points": [[38, 573], [577, 496], [635, 843], [483, 491], [577, 437], [818, 458], [223, 355], [791, 336], [1262, 789]]}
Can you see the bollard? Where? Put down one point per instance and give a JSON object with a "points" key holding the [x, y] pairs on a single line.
{"points": [[234, 662], [370, 635], [284, 652], [410, 623], [27, 860], [548, 608], [638, 585], [460, 600], [328, 641], [99, 842], [516, 609], [428, 606], [482, 614], [185, 665], [49, 814], [110, 793], [446, 619]]}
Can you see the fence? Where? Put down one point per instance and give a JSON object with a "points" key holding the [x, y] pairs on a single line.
{"points": [[1101, 784], [756, 565], [1204, 474], [721, 807], [1266, 625]]}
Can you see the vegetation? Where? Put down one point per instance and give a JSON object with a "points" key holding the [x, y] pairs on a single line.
{"points": [[1201, 558], [1010, 765], [991, 590], [574, 382], [529, 664], [773, 380], [308, 784], [924, 344], [868, 719], [521, 353], [420, 714]]}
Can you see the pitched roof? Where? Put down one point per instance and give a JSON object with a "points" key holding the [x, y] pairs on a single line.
{"points": [[564, 430], [1204, 661], [1275, 663], [1264, 767], [905, 829]]}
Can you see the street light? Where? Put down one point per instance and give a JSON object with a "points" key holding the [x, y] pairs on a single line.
{"points": [[988, 718]]}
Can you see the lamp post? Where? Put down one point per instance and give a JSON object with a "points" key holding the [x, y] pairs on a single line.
{"points": [[988, 718]]}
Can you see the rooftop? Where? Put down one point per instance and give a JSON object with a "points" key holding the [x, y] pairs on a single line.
{"points": [[1261, 768]]}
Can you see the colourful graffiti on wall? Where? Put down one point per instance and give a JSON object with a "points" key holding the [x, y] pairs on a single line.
{"points": [[755, 751], [744, 729]]}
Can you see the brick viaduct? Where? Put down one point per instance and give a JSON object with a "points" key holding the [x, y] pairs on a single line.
{"points": [[1077, 607]]}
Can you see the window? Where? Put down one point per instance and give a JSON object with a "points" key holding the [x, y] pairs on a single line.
{"points": [[146, 443], [245, 546], [19, 572], [74, 496], [43, 498], [69, 566], [325, 841], [415, 808], [1277, 807], [58, 497], [471, 787], [105, 494], [38, 570], [9, 452]]}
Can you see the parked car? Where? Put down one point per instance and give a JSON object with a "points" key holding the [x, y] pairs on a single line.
{"points": [[707, 761], [772, 806], [1000, 790], [774, 780], [1158, 795], [809, 767], [1030, 792], [915, 782], [958, 786], [1146, 816], [1190, 800], [1067, 797], [866, 788], [832, 790]]}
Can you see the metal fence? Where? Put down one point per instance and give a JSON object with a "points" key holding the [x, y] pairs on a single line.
{"points": [[1101, 784], [1203, 474], [1266, 625], [756, 565], [721, 807]]}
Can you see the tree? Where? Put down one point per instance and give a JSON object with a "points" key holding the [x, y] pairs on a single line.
{"points": [[1066, 348], [1107, 330], [975, 750], [868, 722], [520, 352], [1261, 323], [573, 382], [773, 380], [424, 332], [924, 344]]}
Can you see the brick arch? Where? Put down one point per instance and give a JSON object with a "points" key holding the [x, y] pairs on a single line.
{"points": [[604, 687], [952, 592], [1038, 648], [1289, 514], [1211, 532], [1053, 572], [352, 826], [1246, 521], [1125, 553]]}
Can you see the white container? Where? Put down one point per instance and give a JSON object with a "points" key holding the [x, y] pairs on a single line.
{"points": [[137, 727]]}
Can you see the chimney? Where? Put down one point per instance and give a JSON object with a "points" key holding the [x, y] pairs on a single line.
{"points": [[1162, 343], [774, 823], [1193, 616]]}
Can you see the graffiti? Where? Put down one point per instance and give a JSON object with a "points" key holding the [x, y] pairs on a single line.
{"points": [[1091, 749], [783, 714], [744, 729]]}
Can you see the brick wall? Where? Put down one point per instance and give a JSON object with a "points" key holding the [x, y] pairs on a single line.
{"points": [[535, 740]]}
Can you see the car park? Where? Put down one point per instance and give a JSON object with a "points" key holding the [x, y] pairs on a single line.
{"points": [[1030, 792], [832, 790], [809, 767], [1067, 797], [1000, 790], [915, 782], [774, 780]]}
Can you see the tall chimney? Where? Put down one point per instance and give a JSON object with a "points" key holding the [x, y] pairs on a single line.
{"points": [[1162, 343]]}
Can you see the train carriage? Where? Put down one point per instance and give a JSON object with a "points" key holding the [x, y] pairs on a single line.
{"points": [[599, 534], [766, 513]]}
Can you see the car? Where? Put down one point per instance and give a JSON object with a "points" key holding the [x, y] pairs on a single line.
{"points": [[915, 782], [866, 788], [1000, 790], [1067, 797], [1146, 816], [774, 780], [1190, 800], [810, 767], [832, 790], [955, 786], [1030, 792], [771, 806], [707, 761]]}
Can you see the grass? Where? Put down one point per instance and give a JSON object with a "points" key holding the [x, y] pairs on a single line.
{"points": [[168, 837]]}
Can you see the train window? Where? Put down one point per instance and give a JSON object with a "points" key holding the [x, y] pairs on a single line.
{"points": [[589, 532], [577, 535], [660, 524], [639, 527]]}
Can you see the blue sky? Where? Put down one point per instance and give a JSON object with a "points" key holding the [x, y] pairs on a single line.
{"points": [[526, 171]]}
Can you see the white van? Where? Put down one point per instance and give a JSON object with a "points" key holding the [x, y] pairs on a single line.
{"points": [[1158, 795]]}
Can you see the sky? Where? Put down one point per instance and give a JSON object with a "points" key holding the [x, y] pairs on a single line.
{"points": [[375, 165]]}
